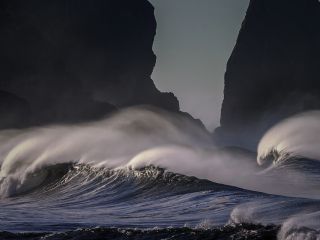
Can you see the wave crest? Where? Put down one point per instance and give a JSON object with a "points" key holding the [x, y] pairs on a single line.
{"points": [[295, 137], [137, 138]]}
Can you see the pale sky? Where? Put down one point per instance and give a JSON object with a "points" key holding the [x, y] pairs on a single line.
{"points": [[193, 43]]}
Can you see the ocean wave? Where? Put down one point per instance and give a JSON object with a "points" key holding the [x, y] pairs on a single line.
{"points": [[144, 168], [295, 137], [238, 232], [86, 196], [303, 226], [137, 138], [75, 180], [131, 139]]}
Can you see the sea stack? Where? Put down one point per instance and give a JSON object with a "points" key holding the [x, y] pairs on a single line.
{"points": [[76, 60], [274, 70]]}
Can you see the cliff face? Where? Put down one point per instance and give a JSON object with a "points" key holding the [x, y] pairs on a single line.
{"points": [[74, 60], [274, 70]]}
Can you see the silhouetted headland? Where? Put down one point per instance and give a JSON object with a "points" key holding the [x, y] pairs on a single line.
{"points": [[273, 71], [76, 60]]}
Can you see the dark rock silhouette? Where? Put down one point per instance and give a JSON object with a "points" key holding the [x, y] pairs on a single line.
{"points": [[76, 60], [274, 70]]}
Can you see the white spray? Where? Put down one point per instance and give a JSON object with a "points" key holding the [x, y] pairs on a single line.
{"points": [[132, 138], [296, 136]]}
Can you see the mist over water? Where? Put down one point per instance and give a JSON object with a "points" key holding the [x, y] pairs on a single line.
{"points": [[132, 139], [138, 137], [296, 136], [154, 160]]}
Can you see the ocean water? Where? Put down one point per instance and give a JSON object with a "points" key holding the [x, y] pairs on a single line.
{"points": [[147, 174]]}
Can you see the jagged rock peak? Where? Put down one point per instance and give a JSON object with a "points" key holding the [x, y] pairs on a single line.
{"points": [[73, 60], [273, 71]]}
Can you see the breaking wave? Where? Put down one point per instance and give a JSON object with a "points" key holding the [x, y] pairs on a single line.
{"points": [[295, 137], [131, 139], [145, 168]]}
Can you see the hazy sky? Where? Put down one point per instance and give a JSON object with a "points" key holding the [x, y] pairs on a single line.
{"points": [[194, 41]]}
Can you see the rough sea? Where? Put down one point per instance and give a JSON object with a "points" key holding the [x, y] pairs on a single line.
{"points": [[147, 174]]}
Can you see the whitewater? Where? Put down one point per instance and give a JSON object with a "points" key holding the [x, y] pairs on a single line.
{"points": [[142, 169]]}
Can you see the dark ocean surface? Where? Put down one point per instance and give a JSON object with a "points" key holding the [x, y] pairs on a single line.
{"points": [[154, 176]]}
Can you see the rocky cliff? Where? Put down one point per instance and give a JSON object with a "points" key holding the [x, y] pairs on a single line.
{"points": [[274, 70], [75, 60]]}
